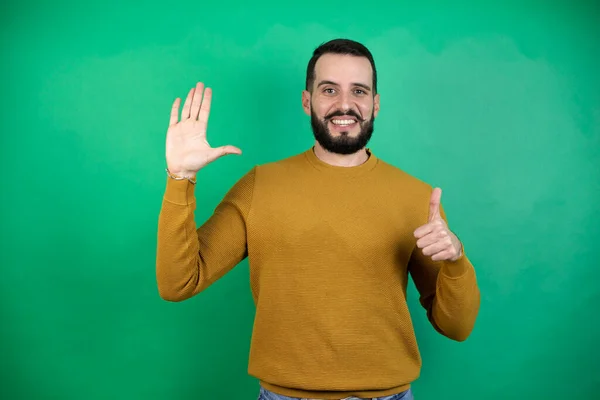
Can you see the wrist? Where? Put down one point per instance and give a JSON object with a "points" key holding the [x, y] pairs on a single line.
{"points": [[457, 246], [181, 172], [181, 175]]}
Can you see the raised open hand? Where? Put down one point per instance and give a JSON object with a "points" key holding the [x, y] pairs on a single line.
{"points": [[187, 149]]}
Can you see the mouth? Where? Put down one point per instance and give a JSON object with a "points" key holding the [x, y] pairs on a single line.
{"points": [[341, 124]]}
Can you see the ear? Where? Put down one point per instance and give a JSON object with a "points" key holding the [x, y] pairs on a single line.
{"points": [[376, 105], [306, 101]]}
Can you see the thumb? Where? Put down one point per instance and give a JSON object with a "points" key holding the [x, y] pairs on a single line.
{"points": [[219, 152], [434, 204], [224, 150]]}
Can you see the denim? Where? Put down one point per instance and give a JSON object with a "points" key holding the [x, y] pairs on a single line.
{"points": [[268, 395]]}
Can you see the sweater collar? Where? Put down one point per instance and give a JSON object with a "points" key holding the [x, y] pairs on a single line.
{"points": [[321, 165]]}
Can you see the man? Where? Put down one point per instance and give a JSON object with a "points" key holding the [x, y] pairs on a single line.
{"points": [[331, 235]]}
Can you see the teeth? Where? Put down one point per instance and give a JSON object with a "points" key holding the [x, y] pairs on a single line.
{"points": [[343, 121]]}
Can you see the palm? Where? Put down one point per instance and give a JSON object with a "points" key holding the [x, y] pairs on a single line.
{"points": [[187, 148]]}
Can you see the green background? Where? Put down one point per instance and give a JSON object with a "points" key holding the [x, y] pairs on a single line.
{"points": [[498, 104]]}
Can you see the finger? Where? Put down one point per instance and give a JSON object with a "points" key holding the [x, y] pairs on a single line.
{"points": [[205, 108], [196, 101], [432, 238], [185, 113], [447, 254], [428, 228], [175, 111], [437, 247], [423, 230], [434, 204]]}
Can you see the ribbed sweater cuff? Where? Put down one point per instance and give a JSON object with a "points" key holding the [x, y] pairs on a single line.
{"points": [[456, 269], [179, 192]]}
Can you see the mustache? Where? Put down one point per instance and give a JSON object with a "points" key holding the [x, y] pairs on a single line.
{"points": [[350, 113]]}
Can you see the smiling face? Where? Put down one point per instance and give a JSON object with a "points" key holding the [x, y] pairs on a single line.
{"points": [[342, 105]]}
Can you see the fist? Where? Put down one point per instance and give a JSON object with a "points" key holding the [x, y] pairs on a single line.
{"points": [[434, 238]]}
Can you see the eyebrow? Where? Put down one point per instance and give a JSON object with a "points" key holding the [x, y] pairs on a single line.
{"points": [[362, 85]]}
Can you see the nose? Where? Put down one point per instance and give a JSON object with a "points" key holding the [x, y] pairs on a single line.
{"points": [[344, 102]]}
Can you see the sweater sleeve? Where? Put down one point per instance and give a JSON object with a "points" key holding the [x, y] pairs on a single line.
{"points": [[189, 259], [448, 291]]}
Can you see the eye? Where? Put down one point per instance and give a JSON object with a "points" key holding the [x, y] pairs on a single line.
{"points": [[360, 91], [329, 90]]}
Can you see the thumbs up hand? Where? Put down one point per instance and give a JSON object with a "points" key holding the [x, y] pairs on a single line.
{"points": [[435, 238]]}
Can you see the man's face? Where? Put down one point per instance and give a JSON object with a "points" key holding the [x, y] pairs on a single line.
{"points": [[342, 106]]}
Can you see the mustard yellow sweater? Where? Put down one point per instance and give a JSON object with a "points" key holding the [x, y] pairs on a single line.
{"points": [[329, 250]]}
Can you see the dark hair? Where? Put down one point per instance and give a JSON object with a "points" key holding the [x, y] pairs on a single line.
{"points": [[339, 46]]}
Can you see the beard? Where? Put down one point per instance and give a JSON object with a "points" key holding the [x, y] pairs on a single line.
{"points": [[344, 144]]}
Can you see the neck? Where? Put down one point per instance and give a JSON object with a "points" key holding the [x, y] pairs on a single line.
{"points": [[341, 160]]}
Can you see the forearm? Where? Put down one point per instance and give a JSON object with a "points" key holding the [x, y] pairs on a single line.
{"points": [[177, 262], [457, 298], [190, 259]]}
